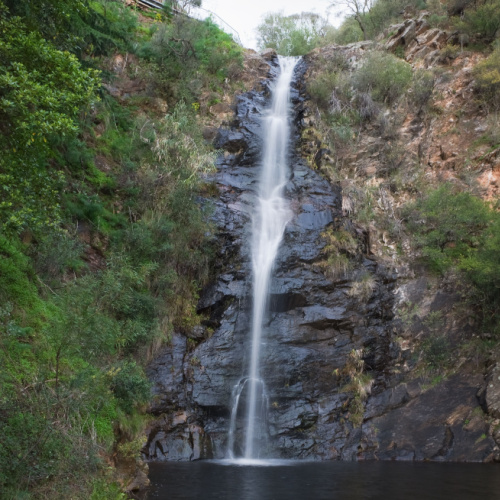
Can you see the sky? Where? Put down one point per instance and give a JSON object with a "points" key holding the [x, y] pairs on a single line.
{"points": [[244, 16]]}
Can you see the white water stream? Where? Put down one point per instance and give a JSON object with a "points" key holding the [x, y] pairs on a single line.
{"points": [[268, 225]]}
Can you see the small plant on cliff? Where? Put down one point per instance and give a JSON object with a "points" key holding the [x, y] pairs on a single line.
{"points": [[436, 351], [338, 245], [448, 226], [363, 287], [357, 383], [330, 83]]}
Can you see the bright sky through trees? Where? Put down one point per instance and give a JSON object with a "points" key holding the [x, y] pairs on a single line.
{"points": [[244, 17]]}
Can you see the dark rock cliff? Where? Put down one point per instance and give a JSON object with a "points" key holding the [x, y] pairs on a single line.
{"points": [[335, 362]]}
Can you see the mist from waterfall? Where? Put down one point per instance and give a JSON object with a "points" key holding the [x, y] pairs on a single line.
{"points": [[271, 215]]}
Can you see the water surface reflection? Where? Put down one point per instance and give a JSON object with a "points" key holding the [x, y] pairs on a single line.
{"points": [[323, 480]]}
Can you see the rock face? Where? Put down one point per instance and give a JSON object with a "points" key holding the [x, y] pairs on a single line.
{"points": [[334, 360], [417, 39]]}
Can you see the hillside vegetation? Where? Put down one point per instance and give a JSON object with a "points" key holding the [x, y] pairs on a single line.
{"points": [[406, 120], [104, 243]]}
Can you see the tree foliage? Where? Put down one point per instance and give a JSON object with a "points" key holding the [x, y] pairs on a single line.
{"points": [[188, 55], [480, 20], [293, 35], [368, 18]]}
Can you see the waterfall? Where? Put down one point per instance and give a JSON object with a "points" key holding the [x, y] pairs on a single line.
{"points": [[271, 215]]}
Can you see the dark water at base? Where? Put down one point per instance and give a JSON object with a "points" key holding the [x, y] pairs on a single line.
{"points": [[324, 480]]}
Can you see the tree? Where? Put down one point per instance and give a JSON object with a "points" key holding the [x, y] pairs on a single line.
{"points": [[183, 5], [372, 16], [359, 9], [291, 35], [43, 90]]}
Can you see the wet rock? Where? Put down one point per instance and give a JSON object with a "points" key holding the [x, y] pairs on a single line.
{"points": [[231, 141], [492, 392], [431, 426], [269, 54], [139, 482], [167, 371]]}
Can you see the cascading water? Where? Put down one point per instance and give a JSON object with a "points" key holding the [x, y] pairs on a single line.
{"points": [[268, 225]]}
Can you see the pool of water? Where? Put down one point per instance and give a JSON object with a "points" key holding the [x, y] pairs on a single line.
{"points": [[288, 480]]}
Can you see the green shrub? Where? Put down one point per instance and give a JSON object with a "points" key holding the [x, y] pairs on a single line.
{"points": [[483, 265], [108, 25], [480, 21], [17, 281], [460, 233], [449, 226], [384, 75], [43, 91], [56, 254], [329, 82], [188, 55], [487, 75], [129, 385], [436, 350], [422, 88], [348, 32]]}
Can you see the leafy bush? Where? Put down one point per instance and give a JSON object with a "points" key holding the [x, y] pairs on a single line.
{"points": [[108, 25], [92, 27], [129, 385], [436, 350], [460, 233], [487, 74], [330, 83], [422, 88], [480, 20], [449, 226], [483, 264], [43, 91], [348, 32], [384, 75], [189, 55], [56, 254], [16, 280]]}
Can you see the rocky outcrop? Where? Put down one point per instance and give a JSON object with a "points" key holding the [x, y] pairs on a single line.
{"points": [[417, 39], [490, 393], [436, 424]]}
